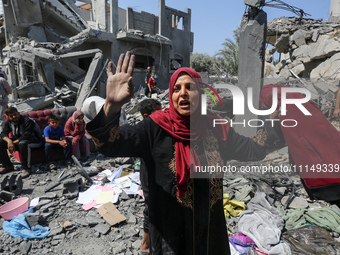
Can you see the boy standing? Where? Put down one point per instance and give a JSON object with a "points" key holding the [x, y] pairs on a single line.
{"points": [[54, 138]]}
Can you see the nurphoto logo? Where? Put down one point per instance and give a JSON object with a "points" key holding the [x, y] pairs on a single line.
{"points": [[238, 104]]}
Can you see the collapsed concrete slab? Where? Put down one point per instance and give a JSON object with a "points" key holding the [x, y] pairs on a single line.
{"points": [[53, 43]]}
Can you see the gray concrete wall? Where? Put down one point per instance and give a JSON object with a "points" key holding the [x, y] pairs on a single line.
{"points": [[146, 22], [334, 14], [182, 39], [251, 64]]}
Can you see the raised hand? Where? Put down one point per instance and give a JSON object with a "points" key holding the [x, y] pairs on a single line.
{"points": [[119, 86]]}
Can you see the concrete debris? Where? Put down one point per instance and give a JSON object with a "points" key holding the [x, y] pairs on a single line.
{"points": [[72, 187], [12, 183], [58, 43], [6, 196], [309, 57]]}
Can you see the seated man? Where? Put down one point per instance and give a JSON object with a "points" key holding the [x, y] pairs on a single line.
{"points": [[25, 132], [55, 138]]}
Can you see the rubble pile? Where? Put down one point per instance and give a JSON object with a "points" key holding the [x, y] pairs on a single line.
{"points": [[73, 230], [309, 52], [308, 48]]}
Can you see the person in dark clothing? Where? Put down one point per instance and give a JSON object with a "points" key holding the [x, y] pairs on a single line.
{"points": [[146, 108], [147, 75], [185, 214], [26, 134]]}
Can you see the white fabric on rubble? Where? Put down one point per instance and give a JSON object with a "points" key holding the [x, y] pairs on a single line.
{"points": [[263, 223]]}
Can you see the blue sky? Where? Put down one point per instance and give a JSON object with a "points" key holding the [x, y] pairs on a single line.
{"points": [[214, 20]]}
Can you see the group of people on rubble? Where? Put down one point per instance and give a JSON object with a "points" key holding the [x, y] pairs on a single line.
{"points": [[21, 133]]}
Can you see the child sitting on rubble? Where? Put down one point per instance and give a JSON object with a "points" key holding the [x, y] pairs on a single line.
{"points": [[75, 133], [54, 138]]}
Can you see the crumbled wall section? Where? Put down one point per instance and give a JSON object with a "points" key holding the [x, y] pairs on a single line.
{"points": [[308, 48], [50, 43]]}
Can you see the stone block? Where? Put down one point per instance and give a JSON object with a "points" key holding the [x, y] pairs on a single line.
{"points": [[282, 44], [324, 47], [72, 187], [327, 69], [302, 53], [298, 69], [299, 38], [12, 183], [102, 228], [34, 219]]}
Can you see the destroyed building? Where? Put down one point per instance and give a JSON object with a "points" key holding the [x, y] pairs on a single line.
{"points": [[52, 49]]}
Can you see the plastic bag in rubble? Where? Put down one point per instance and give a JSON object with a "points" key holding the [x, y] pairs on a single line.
{"points": [[19, 227]]}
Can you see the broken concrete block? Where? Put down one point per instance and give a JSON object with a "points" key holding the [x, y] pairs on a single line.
{"points": [[298, 69], [324, 47], [325, 86], [102, 228], [312, 89], [34, 219], [299, 37], [328, 69], [12, 183], [315, 35], [298, 202], [6, 196], [90, 78], [25, 247], [302, 53], [282, 44], [37, 33], [31, 89], [72, 187], [270, 71]]}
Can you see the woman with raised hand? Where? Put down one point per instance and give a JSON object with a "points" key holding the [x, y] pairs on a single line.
{"points": [[185, 202]]}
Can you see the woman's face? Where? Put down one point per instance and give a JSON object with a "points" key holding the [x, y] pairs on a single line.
{"points": [[185, 96], [79, 119]]}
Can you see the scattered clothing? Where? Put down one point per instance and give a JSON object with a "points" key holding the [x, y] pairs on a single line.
{"points": [[240, 187], [311, 240], [232, 208], [326, 218], [242, 244], [263, 224]]}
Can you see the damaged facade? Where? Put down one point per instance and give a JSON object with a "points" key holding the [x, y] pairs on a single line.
{"points": [[52, 49]]}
